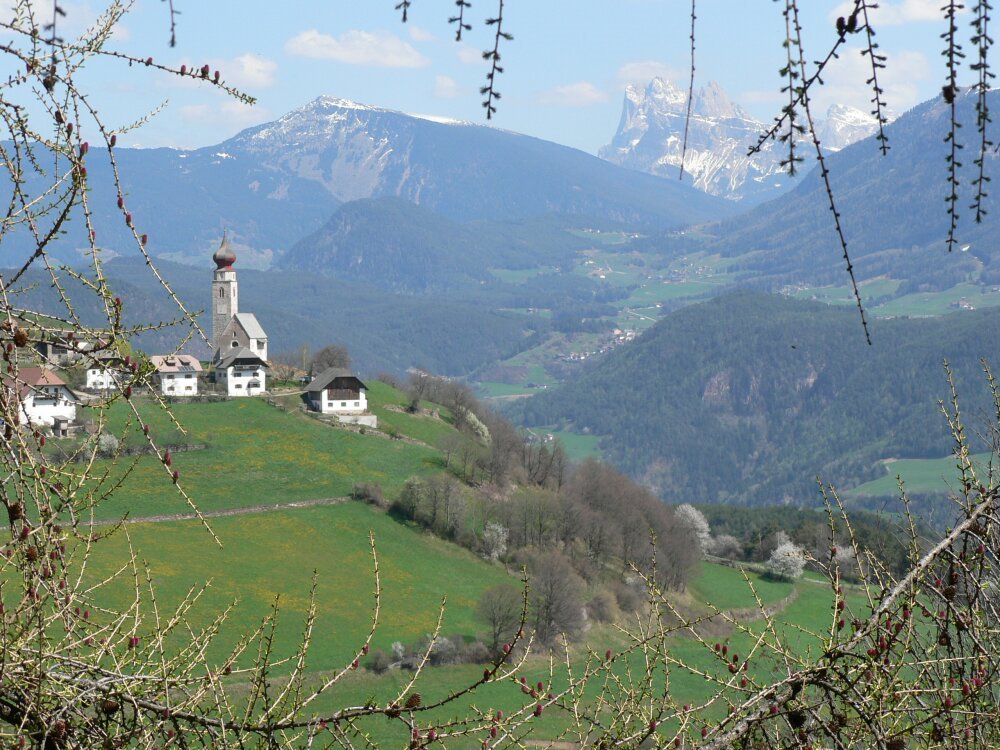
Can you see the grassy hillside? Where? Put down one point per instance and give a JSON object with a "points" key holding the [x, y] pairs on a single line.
{"points": [[257, 454], [268, 557]]}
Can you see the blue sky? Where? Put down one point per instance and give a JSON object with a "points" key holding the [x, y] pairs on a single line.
{"points": [[565, 71]]}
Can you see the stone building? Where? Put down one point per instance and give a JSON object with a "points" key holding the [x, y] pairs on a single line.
{"points": [[239, 339]]}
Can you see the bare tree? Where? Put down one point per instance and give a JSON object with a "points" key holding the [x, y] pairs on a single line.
{"points": [[500, 608], [331, 355]]}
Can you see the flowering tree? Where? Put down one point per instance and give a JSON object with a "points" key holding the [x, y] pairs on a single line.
{"points": [[787, 562]]}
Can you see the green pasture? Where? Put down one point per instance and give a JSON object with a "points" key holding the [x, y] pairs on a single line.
{"points": [[422, 426], [923, 475], [844, 295], [256, 455], [726, 588], [937, 303], [578, 447], [273, 556]]}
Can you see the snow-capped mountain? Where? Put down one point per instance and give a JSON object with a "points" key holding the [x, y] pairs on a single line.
{"points": [[272, 184], [651, 133]]}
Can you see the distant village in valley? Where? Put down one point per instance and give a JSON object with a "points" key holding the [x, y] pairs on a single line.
{"points": [[73, 370]]}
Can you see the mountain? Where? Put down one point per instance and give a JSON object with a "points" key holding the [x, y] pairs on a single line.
{"points": [[272, 184], [650, 139], [748, 398], [404, 247], [892, 210]]}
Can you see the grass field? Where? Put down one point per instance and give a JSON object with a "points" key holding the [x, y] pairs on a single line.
{"points": [[264, 560], [924, 475], [258, 454], [937, 303], [268, 557]]}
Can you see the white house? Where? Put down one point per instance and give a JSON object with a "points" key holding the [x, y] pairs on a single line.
{"points": [[242, 372], [177, 374], [106, 373], [337, 391], [44, 398]]}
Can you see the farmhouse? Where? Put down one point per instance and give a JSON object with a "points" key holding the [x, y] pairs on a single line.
{"points": [[44, 398], [65, 350], [239, 339], [106, 372], [338, 391], [176, 374], [241, 372]]}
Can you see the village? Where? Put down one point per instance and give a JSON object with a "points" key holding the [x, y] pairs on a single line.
{"points": [[70, 371]]}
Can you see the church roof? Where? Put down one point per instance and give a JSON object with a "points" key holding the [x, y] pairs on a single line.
{"points": [[224, 257], [249, 323], [325, 378]]}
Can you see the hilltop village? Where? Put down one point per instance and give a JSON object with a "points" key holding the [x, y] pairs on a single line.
{"points": [[67, 372]]}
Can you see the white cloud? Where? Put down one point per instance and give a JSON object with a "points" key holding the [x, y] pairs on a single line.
{"points": [[895, 13], [227, 112], [447, 88], [418, 34], [248, 71], [469, 55], [375, 49], [580, 94], [641, 72], [844, 82]]}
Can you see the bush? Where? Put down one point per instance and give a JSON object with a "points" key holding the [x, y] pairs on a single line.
{"points": [[379, 662], [371, 493], [602, 607], [629, 598], [107, 444]]}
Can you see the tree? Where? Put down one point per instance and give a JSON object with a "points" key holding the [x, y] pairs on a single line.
{"points": [[787, 562], [500, 608], [331, 355], [693, 521], [555, 597]]}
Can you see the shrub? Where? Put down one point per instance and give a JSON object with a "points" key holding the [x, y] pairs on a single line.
{"points": [[371, 493], [602, 607], [379, 662]]}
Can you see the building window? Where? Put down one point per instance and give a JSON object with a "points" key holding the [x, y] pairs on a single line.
{"points": [[357, 404], [343, 403]]}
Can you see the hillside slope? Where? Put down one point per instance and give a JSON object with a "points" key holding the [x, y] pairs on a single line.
{"points": [[747, 398]]}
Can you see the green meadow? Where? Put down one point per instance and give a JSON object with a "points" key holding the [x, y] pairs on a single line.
{"points": [[922, 475], [257, 454]]}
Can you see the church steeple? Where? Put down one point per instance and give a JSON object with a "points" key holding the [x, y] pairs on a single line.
{"points": [[225, 297], [224, 257]]}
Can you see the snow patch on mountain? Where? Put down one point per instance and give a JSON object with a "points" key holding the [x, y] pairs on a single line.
{"points": [[651, 132]]}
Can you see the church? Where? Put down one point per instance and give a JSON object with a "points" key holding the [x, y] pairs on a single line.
{"points": [[239, 339]]}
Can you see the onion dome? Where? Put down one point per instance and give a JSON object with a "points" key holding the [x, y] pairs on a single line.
{"points": [[224, 257]]}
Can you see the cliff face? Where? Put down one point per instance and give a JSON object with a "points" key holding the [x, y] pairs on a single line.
{"points": [[650, 139]]}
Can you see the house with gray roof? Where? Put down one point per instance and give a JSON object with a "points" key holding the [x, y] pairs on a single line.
{"points": [[339, 392], [241, 372]]}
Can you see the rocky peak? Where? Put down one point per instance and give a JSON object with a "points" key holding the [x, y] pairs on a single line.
{"points": [[651, 130]]}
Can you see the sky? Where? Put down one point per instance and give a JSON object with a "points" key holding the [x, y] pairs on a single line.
{"points": [[564, 76]]}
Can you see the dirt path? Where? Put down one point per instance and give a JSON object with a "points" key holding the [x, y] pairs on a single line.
{"points": [[244, 511]]}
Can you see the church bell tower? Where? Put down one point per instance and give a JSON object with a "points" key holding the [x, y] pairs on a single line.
{"points": [[225, 301]]}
